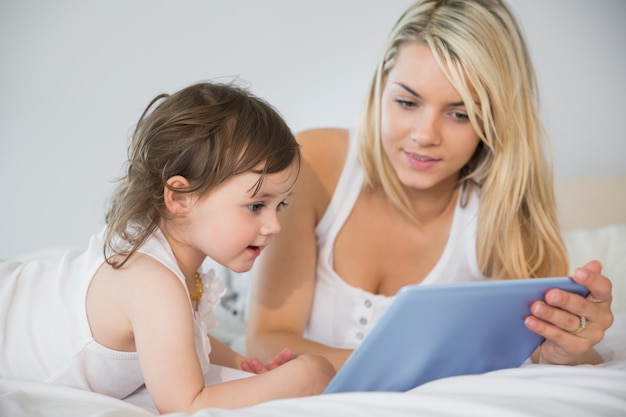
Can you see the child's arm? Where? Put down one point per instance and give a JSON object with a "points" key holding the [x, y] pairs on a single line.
{"points": [[303, 376], [163, 332], [222, 354]]}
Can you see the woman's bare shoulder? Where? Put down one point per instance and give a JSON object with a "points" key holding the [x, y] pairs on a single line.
{"points": [[324, 151], [325, 139]]}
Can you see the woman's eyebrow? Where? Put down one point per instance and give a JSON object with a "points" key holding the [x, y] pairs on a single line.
{"points": [[409, 90]]}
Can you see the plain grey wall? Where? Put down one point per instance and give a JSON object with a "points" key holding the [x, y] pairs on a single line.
{"points": [[76, 76]]}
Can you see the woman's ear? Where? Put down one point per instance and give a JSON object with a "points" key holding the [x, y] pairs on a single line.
{"points": [[177, 202]]}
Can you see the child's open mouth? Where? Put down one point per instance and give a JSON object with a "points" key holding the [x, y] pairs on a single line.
{"points": [[256, 250]]}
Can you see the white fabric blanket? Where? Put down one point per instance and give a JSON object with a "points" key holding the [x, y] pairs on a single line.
{"points": [[528, 391], [531, 391]]}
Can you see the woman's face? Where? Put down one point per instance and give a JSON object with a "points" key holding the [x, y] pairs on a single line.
{"points": [[426, 132]]}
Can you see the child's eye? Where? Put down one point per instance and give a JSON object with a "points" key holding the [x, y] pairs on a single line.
{"points": [[256, 207], [282, 205]]}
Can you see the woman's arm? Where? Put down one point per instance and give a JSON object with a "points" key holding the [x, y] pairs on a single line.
{"points": [[283, 287], [559, 317]]}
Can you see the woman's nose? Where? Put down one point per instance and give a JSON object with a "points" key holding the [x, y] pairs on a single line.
{"points": [[424, 131]]}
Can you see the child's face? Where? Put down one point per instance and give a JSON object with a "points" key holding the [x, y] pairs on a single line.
{"points": [[231, 226], [426, 131]]}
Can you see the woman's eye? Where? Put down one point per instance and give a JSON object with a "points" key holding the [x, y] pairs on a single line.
{"points": [[407, 104], [255, 207], [460, 116]]}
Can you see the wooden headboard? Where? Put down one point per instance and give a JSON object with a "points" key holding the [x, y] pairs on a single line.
{"points": [[591, 202]]}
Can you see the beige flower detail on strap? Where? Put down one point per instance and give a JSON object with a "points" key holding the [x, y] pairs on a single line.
{"points": [[204, 316], [214, 289]]}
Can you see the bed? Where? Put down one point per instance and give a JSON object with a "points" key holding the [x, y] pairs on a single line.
{"points": [[590, 232]]}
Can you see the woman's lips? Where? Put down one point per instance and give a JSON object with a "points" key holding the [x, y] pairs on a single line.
{"points": [[420, 162]]}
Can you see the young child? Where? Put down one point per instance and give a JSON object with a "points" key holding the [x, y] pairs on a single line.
{"points": [[208, 169]]}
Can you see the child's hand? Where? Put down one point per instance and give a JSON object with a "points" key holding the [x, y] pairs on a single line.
{"points": [[254, 365]]}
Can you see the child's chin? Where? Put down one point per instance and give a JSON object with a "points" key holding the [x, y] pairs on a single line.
{"points": [[241, 268]]}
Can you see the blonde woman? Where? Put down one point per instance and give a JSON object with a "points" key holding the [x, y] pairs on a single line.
{"points": [[446, 178]]}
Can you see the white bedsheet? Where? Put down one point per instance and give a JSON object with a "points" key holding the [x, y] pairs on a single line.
{"points": [[528, 391]]}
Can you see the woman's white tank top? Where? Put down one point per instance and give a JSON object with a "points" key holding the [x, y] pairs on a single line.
{"points": [[342, 315]]}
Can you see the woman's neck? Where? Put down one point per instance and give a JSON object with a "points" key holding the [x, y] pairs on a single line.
{"points": [[434, 203]]}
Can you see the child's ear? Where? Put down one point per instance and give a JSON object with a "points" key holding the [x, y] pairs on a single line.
{"points": [[177, 202]]}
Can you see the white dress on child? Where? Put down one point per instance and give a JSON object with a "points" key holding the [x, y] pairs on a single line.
{"points": [[44, 331]]}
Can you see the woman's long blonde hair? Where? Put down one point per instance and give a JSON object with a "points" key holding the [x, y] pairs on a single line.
{"points": [[481, 49], [207, 133]]}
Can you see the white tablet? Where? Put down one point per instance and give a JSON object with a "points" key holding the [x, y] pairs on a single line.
{"points": [[436, 331]]}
